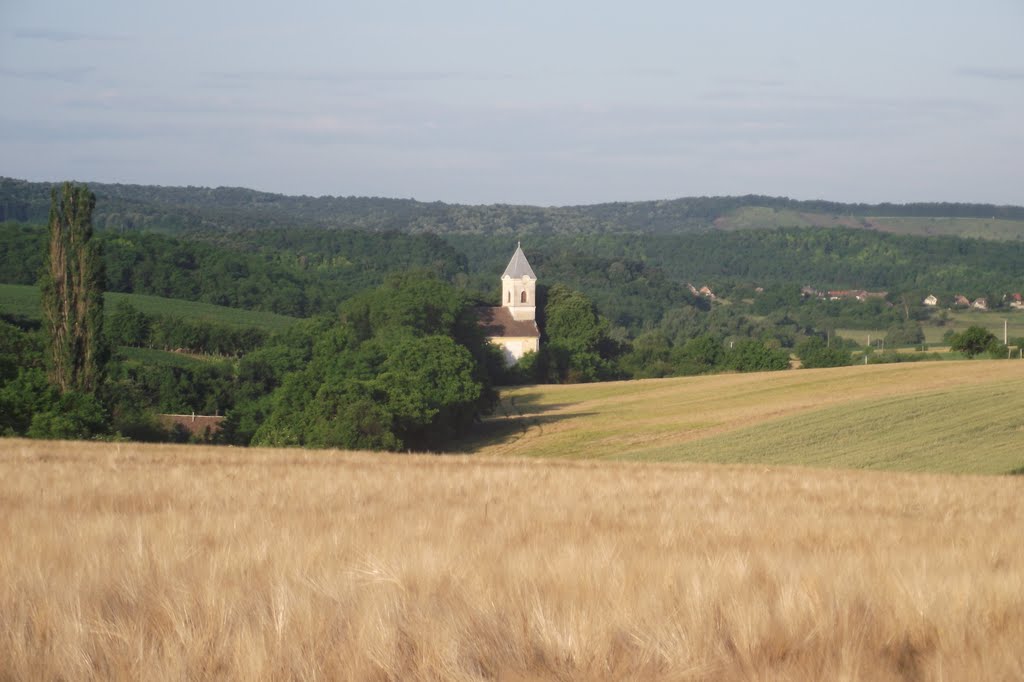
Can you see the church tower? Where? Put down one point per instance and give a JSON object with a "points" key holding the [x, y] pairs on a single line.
{"points": [[519, 287], [512, 326]]}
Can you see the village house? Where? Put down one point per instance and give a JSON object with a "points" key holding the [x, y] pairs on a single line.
{"points": [[980, 303], [1016, 301], [931, 300], [855, 294], [513, 325], [961, 300], [200, 427], [706, 292]]}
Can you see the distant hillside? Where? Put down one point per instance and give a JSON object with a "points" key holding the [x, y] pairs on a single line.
{"points": [[989, 222], [22, 301], [191, 209]]}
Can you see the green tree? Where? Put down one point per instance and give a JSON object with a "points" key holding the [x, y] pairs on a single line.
{"points": [[406, 367], [430, 389], [128, 326], [698, 355], [72, 292], [18, 350], [974, 341], [27, 394], [649, 356], [750, 355], [908, 333], [572, 321], [73, 415], [579, 348], [813, 353]]}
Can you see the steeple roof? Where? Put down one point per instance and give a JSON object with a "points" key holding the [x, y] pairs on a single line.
{"points": [[518, 266]]}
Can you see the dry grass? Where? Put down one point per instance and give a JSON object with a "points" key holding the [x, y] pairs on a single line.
{"points": [[172, 562]]}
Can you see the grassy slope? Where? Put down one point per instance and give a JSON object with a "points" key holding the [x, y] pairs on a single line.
{"points": [[155, 356], [960, 416], [23, 300], [757, 217]]}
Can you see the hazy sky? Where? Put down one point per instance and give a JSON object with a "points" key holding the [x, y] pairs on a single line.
{"points": [[553, 102]]}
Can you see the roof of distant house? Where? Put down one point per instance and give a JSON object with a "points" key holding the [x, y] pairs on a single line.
{"points": [[499, 322], [195, 424], [519, 266]]}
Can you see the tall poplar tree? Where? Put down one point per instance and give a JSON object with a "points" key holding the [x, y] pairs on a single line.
{"points": [[72, 292]]}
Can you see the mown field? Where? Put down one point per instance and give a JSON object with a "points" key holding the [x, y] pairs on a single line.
{"points": [[957, 416], [23, 301], [127, 561]]}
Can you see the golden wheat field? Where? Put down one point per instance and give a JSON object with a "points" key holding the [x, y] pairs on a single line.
{"points": [[125, 561]]}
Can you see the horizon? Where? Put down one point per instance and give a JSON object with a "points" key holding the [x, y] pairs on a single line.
{"points": [[89, 183], [572, 105]]}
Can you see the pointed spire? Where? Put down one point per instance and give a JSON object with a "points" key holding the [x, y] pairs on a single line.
{"points": [[519, 266]]}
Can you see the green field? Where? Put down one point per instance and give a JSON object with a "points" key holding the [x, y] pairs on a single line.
{"points": [[760, 217], [23, 301], [958, 321], [153, 356], [959, 416]]}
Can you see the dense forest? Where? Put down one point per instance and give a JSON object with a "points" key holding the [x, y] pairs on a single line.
{"points": [[227, 209], [633, 279], [291, 272]]}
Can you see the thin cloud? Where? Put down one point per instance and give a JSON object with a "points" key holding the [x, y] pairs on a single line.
{"points": [[64, 132], [56, 36], [996, 74], [357, 76], [71, 74], [754, 83], [653, 72]]}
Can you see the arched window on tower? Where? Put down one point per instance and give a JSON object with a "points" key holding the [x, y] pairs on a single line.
{"points": [[510, 297], [522, 297]]}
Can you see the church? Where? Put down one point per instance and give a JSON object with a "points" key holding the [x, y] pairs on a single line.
{"points": [[512, 326]]}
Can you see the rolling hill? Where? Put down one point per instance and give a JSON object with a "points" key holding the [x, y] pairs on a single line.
{"points": [[957, 417], [226, 209], [22, 300]]}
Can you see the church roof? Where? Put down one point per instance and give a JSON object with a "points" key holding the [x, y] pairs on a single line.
{"points": [[497, 322], [518, 266]]}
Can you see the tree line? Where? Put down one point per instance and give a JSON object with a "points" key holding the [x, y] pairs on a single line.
{"points": [[225, 209], [290, 272], [633, 279], [128, 326]]}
